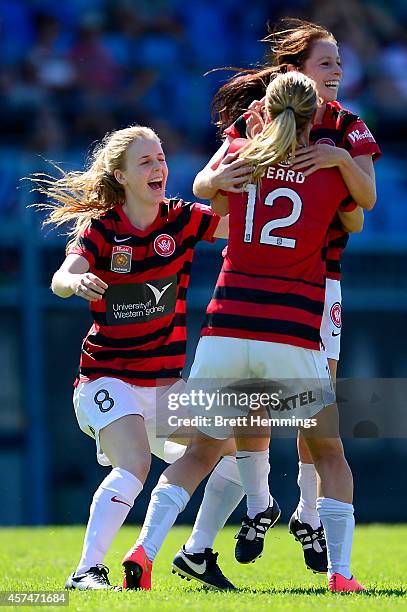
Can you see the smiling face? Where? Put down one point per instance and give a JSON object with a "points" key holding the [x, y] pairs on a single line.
{"points": [[324, 67], [144, 176]]}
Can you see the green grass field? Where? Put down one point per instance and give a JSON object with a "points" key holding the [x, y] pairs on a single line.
{"points": [[41, 559]]}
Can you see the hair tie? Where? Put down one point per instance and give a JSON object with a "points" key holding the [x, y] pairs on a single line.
{"points": [[289, 108]]}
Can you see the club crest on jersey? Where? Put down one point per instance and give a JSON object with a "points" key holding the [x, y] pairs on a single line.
{"points": [[121, 259], [164, 245], [336, 314], [326, 141]]}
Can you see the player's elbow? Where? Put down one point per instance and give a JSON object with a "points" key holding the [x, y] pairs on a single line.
{"points": [[356, 229], [370, 203], [369, 200], [197, 189], [58, 287], [354, 225]]}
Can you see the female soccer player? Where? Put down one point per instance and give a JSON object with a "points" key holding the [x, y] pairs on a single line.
{"points": [[129, 257], [263, 322], [338, 139]]}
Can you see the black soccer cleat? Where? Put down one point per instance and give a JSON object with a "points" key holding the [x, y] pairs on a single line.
{"points": [[250, 539], [202, 567], [94, 579], [313, 544]]}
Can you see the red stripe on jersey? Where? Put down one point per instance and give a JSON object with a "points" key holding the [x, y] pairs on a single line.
{"points": [[262, 311], [270, 282], [263, 336]]}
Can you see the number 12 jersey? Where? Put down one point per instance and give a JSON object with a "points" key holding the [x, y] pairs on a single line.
{"points": [[272, 283]]}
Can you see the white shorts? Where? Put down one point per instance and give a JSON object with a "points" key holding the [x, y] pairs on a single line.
{"points": [[331, 325], [102, 401], [301, 377]]}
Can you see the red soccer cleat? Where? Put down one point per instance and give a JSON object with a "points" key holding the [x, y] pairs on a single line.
{"points": [[137, 569], [339, 584]]}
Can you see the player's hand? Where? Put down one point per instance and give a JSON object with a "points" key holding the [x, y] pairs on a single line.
{"points": [[232, 173], [315, 157], [89, 287], [254, 117]]}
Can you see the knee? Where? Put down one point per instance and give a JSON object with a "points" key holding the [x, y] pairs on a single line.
{"points": [[137, 465], [327, 451], [206, 456]]}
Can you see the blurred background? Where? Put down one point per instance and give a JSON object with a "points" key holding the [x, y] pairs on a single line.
{"points": [[72, 71]]}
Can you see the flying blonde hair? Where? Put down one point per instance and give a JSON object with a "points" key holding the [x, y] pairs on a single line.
{"points": [[291, 101], [78, 197]]}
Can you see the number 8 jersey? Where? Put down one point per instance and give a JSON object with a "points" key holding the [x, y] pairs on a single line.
{"points": [[272, 283]]}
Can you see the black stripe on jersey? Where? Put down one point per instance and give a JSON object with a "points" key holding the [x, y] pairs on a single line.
{"points": [[203, 227], [346, 201], [241, 126], [182, 293], [143, 375], [186, 268], [269, 276], [166, 350], [324, 132], [333, 266], [173, 228], [347, 146], [99, 339], [88, 245], [344, 120], [339, 243], [255, 324], [258, 296], [113, 215]]}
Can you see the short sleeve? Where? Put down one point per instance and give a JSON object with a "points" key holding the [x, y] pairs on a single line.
{"points": [[88, 245], [360, 141], [347, 204], [205, 221], [237, 129]]}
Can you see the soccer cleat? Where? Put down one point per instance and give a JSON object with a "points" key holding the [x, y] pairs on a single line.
{"points": [[339, 584], [137, 569], [92, 580], [202, 567], [313, 544], [250, 539]]}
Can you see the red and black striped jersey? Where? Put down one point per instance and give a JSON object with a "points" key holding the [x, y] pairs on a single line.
{"points": [[138, 332], [272, 283], [340, 128]]}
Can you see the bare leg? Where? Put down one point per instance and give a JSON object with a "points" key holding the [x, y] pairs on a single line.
{"points": [[336, 490], [307, 480]]}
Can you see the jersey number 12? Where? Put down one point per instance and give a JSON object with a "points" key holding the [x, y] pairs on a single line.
{"points": [[266, 237]]}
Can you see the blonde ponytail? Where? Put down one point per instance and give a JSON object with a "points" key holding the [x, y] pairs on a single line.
{"points": [[291, 101]]}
